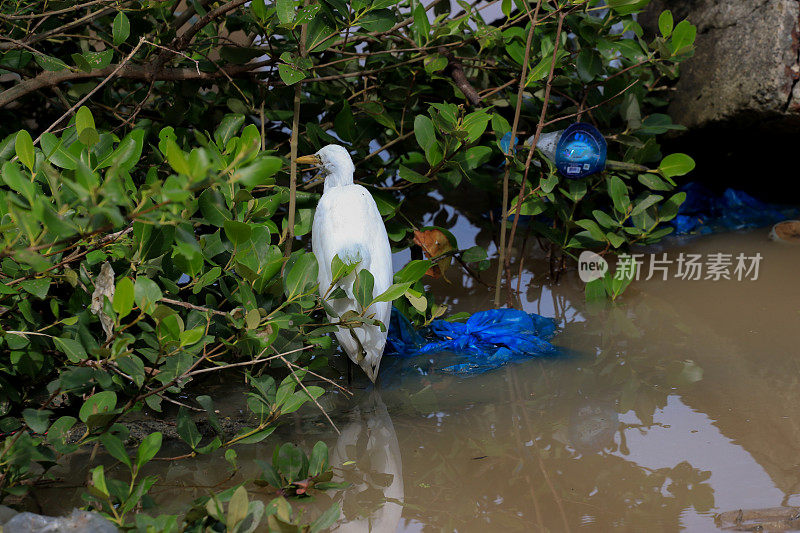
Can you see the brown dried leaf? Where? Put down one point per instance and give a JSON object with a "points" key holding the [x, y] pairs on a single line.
{"points": [[104, 286], [434, 243]]}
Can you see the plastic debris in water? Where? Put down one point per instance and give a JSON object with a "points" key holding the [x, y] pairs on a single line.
{"points": [[786, 231], [581, 151], [505, 144], [704, 212], [487, 340], [578, 151]]}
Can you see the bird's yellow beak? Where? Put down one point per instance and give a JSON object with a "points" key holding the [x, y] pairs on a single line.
{"points": [[309, 160]]}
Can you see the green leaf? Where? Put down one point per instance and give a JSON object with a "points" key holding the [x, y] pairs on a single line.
{"points": [[340, 269], [595, 291], [604, 219], [669, 210], [212, 206], [290, 461], [363, 287], [126, 154], [148, 449], [475, 124], [177, 159], [377, 20], [425, 134], [626, 7], [84, 123], [123, 298], [18, 182], [393, 292], [619, 194], [37, 287], [59, 431], [259, 8], [146, 294], [412, 176], [592, 227], [676, 165], [318, 460], [589, 65], [37, 420], [417, 300], [666, 23], [237, 508], [50, 63], [71, 348], [97, 60], [296, 400], [120, 29], [422, 25], [102, 402], [307, 14], [187, 429], [99, 482], [192, 336], [474, 254], [81, 62], [285, 10], [413, 271], [255, 437], [648, 201], [289, 74], [300, 275], [56, 153], [683, 36], [651, 181], [228, 127], [237, 232], [115, 448], [23, 145], [259, 172]]}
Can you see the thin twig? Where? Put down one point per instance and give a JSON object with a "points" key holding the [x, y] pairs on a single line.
{"points": [[90, 93], [293, 152], [536, 136], [387, 145], [299, 382], [187, 305], [243, 363], [509, 156]]}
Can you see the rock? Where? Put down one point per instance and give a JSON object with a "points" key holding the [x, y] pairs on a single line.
{"points": [[78, 522], [746, 65]]}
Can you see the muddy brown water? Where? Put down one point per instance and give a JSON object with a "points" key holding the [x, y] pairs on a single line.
{"points": [[680, 403]]}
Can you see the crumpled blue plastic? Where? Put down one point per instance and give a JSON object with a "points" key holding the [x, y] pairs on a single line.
{"points": [[505, 143], [487, 340], [704, 212]]}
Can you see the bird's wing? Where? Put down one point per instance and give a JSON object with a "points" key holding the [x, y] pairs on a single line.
{"points": [[347, 223]]}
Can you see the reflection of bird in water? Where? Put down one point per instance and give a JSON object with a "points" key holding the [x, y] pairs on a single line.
{"points": [[374, 500], [347, 223]]}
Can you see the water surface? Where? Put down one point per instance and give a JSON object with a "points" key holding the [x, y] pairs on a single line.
{"points": [[677, 404]]}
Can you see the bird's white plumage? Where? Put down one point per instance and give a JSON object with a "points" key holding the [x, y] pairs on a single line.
{"points": [[347, 223]]}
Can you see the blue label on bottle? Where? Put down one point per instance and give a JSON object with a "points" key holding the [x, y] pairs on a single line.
{"points": [[581, 151]]}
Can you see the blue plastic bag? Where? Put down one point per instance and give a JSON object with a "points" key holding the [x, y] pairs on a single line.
{"points": [[703, 212], [487, 340]]}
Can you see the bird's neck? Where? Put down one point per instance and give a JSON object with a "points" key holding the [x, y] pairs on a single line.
{"points": [[338, 178]]}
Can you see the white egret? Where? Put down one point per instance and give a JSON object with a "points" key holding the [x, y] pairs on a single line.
{"points": [[347, 223]]}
